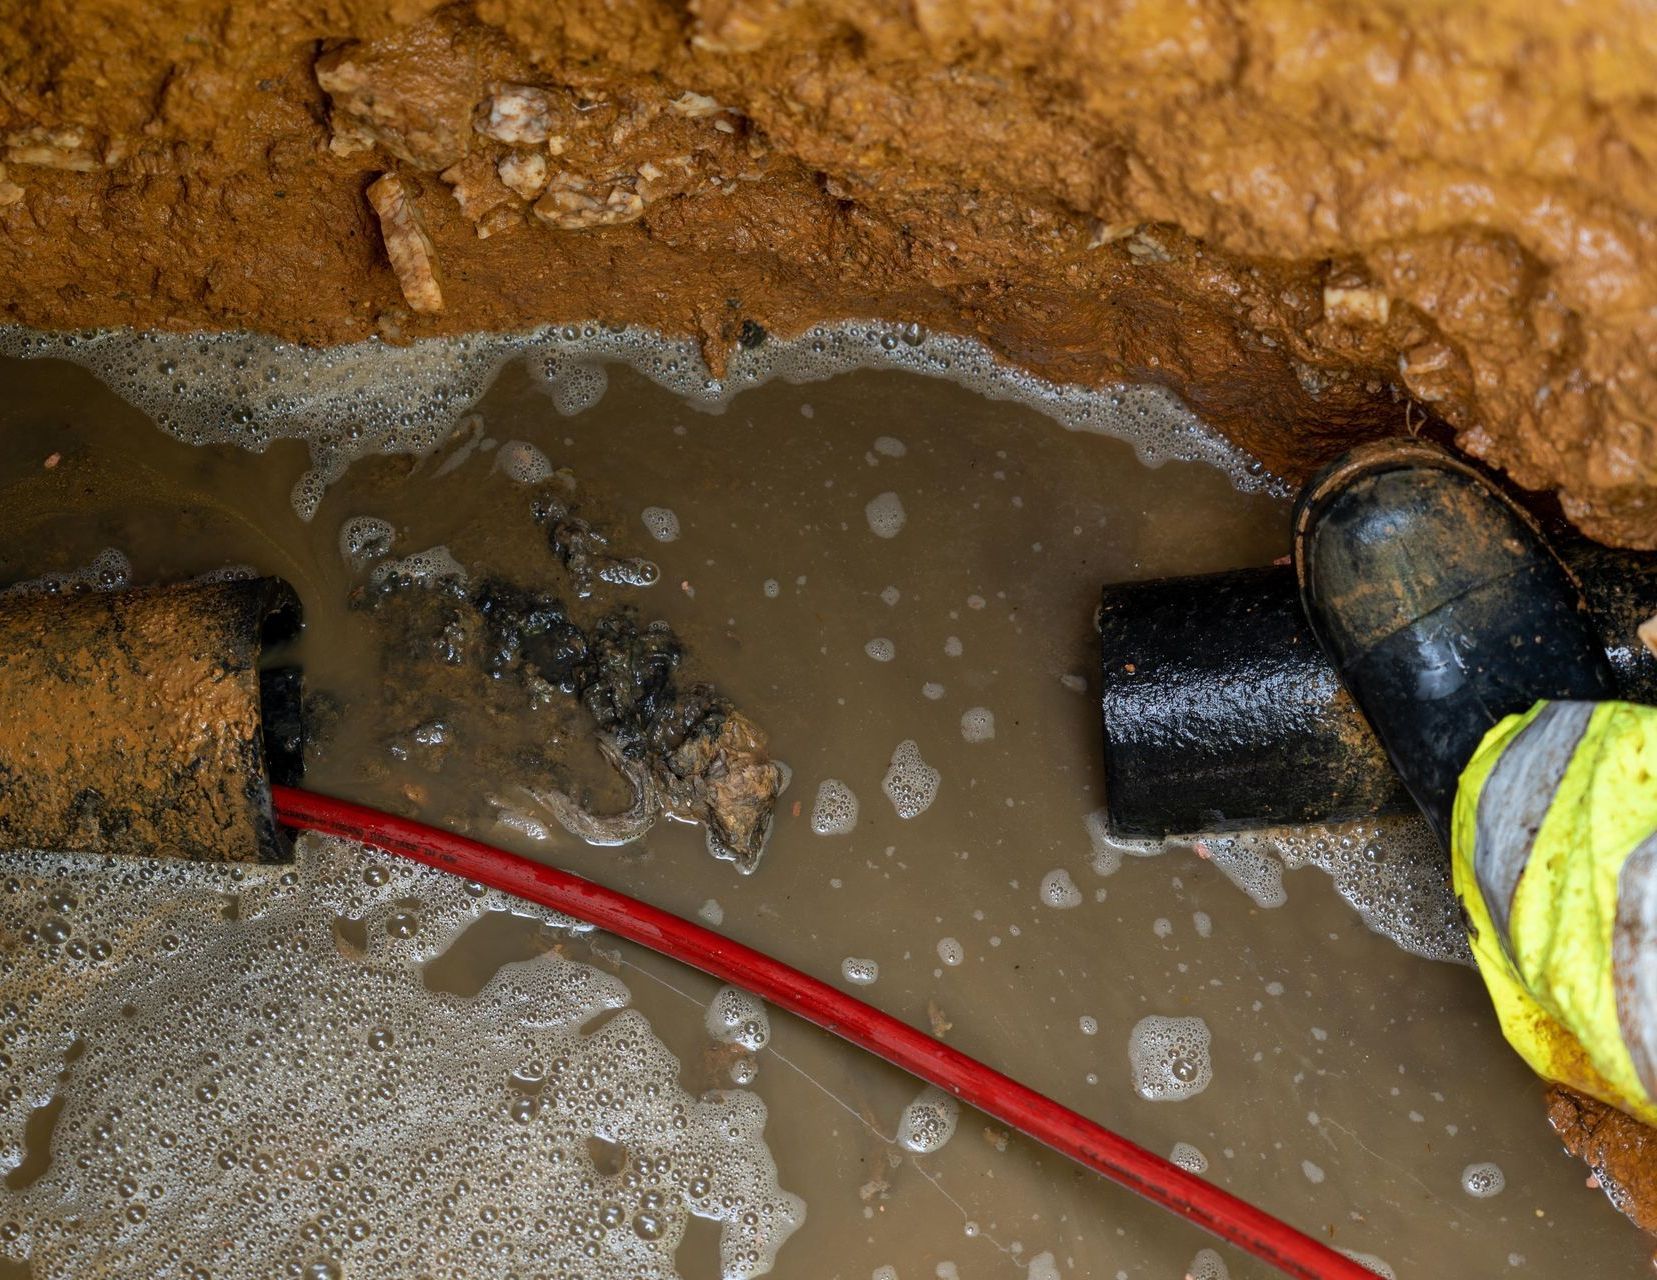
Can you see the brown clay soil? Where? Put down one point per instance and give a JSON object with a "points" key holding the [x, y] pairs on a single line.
{"points": [[1318, 221]]}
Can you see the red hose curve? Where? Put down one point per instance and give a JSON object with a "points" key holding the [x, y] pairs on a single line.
{"points": [[1065, 1131]]}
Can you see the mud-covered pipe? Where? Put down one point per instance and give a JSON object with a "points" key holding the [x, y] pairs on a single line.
{"points": [[1221, 712], [140, 722]]}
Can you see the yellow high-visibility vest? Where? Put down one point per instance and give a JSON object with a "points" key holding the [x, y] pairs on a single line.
{"points": [[1554, 850]]}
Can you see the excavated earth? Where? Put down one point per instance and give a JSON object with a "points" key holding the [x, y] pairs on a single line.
{"points": [[1318, 221]]}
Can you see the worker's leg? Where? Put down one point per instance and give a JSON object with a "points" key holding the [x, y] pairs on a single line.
{"points": [[1555, 861]]}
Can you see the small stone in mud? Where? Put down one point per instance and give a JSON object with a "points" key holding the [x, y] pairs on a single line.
{"points": [[406, 243]]}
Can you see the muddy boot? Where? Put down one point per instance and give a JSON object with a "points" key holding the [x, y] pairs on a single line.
{"points": [[1441, 606]]}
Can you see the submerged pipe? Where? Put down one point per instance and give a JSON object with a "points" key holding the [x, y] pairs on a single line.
{"points": [[140, 722], [1221, 712]]}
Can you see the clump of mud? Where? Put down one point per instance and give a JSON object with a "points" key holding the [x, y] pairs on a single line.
{"points": [[453, 645]]}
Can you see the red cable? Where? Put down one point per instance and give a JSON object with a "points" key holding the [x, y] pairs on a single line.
{"points": [[1060, 1128]]}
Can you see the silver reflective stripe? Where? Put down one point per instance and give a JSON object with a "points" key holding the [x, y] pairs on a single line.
{"points": [[1517, 795], [1634, 959]]}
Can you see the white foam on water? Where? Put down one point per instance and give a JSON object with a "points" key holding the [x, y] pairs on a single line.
{"points": [[860, 971], [738, 1017], [881, 649], [951, 952], [523, 462], [365, 539], [422, 569], [1189, 1158], [250, 1088], [1043, 1267], [890, 446], [660, 523], [834, 812], [929, 1121], [1371, 1263], [1170, 1058], [1059, 891], [1088, 1025], [910, 783], [977, 724], [885, 515], [109, 570], [1483, 1180], [371, 397], [1207, 1265]]}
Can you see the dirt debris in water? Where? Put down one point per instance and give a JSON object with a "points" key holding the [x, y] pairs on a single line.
{"points": [[682, 749], [1299, 214], [1329, 1045]]}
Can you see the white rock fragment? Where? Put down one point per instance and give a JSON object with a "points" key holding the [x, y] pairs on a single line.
{"points": [[1356, 306], [695, 106], [517, 113], [70, 149], [406, 243], [524, 173]]}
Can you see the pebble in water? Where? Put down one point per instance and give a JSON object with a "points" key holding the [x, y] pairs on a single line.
{"points": [[886, 515], [835, 811], [1059, 890], [910, 783], [929, 1121], [1483, 1180], [1170, 1058]]}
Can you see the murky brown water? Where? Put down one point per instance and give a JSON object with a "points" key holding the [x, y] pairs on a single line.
{"points": [[1352, 1083]]}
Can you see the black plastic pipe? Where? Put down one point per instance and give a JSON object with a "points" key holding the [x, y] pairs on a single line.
{"points": [[1221, 712]]}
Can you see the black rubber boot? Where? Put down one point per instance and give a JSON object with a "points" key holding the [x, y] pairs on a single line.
{"points": [[1441, 606]]}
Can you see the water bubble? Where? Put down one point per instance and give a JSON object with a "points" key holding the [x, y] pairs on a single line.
{"points": [[929, 1121], [858, 971], [978, 724], [1059, 890], [910, 783], [1483, 1180], [886, 515], [662, 524], [834, 812], [1170, 1058]]}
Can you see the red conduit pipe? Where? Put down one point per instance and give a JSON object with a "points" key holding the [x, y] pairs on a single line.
{"points": [[1060, 1128]]}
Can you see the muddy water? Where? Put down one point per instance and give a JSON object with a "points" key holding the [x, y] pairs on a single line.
{"points": [[1351, 1084]]}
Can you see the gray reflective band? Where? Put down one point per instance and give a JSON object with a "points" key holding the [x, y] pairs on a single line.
{"points": [[1634, 959], [1517, 794]]}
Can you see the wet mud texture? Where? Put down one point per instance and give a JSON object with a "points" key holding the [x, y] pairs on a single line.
{"points": [[1320, 223], [130, 721]]}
